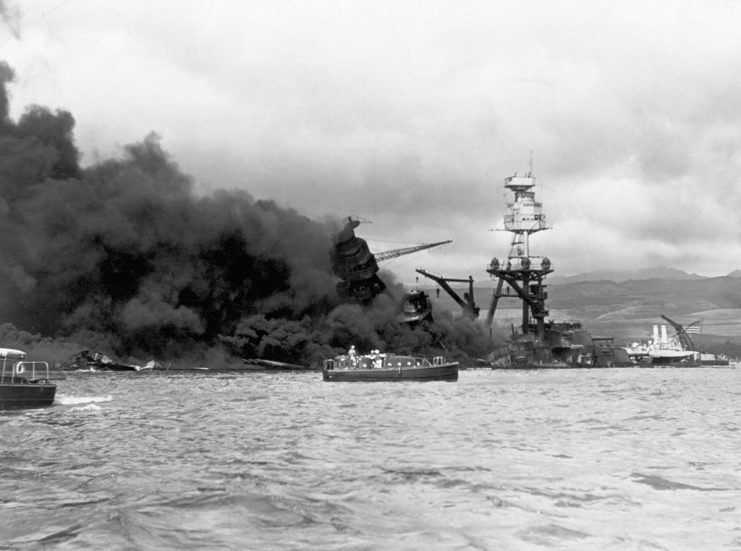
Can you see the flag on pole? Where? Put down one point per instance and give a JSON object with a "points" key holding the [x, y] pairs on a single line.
{"points": [[694, 328]]}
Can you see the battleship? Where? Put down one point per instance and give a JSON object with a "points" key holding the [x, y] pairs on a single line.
{"points": [[541, 343]]}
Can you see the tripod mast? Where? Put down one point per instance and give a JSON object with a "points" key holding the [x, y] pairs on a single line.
{"points": [[519, 272]]}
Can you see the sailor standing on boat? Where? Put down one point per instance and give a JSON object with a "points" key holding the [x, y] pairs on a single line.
{"points": [[353, 356]]}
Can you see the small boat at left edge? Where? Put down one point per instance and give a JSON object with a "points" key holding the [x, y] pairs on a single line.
{"points": [[24, 384]]}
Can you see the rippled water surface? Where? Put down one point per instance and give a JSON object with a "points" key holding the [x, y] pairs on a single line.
{"points": [[598, 459]]}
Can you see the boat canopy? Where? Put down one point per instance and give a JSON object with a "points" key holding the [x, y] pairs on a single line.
{"points": [[12, 354]]}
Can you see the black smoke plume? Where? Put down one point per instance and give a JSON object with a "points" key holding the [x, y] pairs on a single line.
{"points": [[124, 256]]}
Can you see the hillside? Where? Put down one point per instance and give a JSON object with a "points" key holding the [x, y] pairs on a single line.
{"points": [[628, 309], [659, 272], [600, 298]]}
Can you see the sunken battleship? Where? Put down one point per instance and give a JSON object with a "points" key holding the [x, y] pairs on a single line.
{"points": [[540, 343]]}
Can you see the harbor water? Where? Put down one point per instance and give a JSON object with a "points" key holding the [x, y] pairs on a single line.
{"points": [[616, 459]]}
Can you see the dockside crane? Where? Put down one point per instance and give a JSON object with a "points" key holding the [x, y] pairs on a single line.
{"points": [[684, 338]]}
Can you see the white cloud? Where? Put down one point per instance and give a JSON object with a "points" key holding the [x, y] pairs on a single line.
{"points": [[411, 114]]}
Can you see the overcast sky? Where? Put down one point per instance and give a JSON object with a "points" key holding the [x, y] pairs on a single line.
{"points": [[410, 114]]}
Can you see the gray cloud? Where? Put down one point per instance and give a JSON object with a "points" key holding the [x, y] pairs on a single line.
{"points": [[411, 115], [10, 16]]}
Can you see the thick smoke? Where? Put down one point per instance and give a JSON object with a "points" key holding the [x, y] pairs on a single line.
{"points": [[125, 257]]}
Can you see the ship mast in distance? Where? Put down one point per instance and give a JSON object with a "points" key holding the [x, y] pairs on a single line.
{"points": [[522, 272]]}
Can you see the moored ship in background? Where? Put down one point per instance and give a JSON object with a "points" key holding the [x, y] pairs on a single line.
{"points": [[675, 350]]}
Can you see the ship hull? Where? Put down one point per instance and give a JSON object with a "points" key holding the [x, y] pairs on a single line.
{"points": [[707, 362], [444, 372], [26, 395]]}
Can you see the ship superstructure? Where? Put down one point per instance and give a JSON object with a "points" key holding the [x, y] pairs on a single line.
{"points": [[353, 262], [521, 272], [357, 267]]}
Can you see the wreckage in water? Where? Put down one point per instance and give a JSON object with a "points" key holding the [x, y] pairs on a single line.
{"points": [[415, 307], [90, 360]]}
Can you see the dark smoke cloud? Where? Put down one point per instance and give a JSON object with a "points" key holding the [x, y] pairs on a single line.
{"points": [[376, 326], [125, 257]]}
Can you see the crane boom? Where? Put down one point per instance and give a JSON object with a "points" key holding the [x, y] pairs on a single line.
{"points": [[386, 255], [684, 338], [466, 303]]}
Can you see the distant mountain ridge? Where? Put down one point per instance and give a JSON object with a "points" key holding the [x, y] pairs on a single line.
{"points": [[625, 305], [624, 295], [619, 276]]}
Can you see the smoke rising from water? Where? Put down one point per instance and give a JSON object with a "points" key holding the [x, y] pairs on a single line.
{"points": [[123, 256]]}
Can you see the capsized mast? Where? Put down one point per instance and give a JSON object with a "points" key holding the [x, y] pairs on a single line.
{"points": [[357, 267]]}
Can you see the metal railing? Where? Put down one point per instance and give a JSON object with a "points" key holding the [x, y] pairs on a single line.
{"points": [[23, 370]]}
